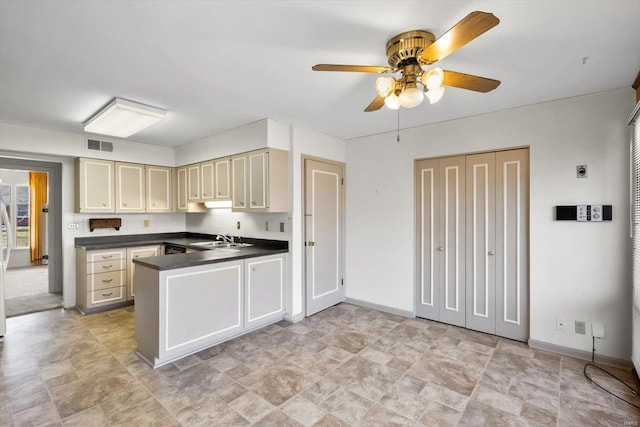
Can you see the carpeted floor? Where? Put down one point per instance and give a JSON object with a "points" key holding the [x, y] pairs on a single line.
{"points": [[26, 291]]}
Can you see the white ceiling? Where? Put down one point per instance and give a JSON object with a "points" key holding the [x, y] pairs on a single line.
{"points": [[216, 65]]}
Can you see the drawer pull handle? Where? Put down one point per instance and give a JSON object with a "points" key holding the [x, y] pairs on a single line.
{"points": [[254, 203], [107, 266], [106, 295], [107, 256], [104, 203], [107, 281]]}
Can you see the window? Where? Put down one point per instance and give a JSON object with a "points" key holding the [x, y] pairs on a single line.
{"points": [[22, 216], [5, 196]]}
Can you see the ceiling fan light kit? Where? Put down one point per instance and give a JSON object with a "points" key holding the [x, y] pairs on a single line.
{"points": [[412, 53]]}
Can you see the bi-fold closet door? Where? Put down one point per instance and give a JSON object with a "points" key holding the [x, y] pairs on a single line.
{"points": [[472, 241]]}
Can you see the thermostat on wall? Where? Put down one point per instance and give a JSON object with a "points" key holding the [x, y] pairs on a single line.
{"points": [[584, 213]]}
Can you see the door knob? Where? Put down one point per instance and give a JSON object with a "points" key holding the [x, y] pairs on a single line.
{"points": [[492, 253], [440, 248]]}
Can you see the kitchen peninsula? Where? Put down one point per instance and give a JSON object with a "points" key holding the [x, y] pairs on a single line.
{"points": [[188, 302]]}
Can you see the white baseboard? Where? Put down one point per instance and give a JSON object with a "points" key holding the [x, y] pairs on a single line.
{"points": [[580, 354], [384, 308]]}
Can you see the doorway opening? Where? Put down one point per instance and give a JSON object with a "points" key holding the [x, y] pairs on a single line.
{"points": [[31, 192]]}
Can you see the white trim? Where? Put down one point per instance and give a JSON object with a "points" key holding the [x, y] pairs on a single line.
{"points": [[475, 241], [430, 170], [580, 354], [379, 307], [446, 238]]}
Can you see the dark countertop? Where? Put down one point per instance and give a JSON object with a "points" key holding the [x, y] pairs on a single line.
{"points": [[259, 247]]}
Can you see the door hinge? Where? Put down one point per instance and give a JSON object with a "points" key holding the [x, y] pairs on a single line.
{"points": [[342, 282], [342, 181]]}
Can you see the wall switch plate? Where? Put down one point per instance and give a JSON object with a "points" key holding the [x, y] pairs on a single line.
{"points": [[282, 227], [580, 327], [266, 226], [145, 223], [73, 225], [597, 330], [238, 225]]}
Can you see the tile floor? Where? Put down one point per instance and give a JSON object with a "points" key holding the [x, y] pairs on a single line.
{"points": [[345, 366], [27, 291]]}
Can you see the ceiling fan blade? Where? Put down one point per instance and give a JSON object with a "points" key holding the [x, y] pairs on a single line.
{"points": [[471, 26], [469, 81], [352, 68], [375, 105]]}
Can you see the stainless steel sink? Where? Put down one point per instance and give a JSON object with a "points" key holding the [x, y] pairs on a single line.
{"points": [[219, 244]]}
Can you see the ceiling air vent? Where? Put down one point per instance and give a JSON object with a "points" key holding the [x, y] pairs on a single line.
{"points": [[94, 144]]}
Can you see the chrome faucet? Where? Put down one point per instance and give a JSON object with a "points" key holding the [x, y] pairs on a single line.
{"points": [[225, 238]]}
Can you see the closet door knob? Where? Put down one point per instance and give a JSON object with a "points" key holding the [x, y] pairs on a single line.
{"points": [[440, 248], [492, 253]]}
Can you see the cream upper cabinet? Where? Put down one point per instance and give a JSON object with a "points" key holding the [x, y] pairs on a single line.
{"points": [[238, 187], [159, 192], [223, 178], [130, 187], [193, 183], [94, 185], [260, 181], [207, 181], [182, 189]]}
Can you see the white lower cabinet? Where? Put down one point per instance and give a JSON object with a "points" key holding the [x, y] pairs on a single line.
{"points": [[138, 252], [101, 279], [182, 311], [263, 289]]}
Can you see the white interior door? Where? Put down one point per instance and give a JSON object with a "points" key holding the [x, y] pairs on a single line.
{"points": [[324, 234]]}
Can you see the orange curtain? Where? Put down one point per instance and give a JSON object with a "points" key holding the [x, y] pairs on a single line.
{"points": [[37, 199]]}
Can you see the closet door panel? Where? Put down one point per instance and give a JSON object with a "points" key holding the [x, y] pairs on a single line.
{"points": [[427, 256], [512, 234], [451, 245], [480, 242]]}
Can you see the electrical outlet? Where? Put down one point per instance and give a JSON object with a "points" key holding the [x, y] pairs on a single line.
{"points": [[597, 330], [145, 223], [563, 324], [73, 225], [282, 227], [238, 225], [266, 226], [580, 327]]}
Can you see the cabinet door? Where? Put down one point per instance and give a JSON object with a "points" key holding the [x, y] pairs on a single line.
{"points": [[159, 185], [130, 186], [182, 190], [94, 185], [238, 183], [193, 183], [258, 180], [223, 178], [264, 287], [134, 253], [207, 184]]}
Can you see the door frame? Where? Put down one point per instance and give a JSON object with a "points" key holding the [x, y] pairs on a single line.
{"points": [[54, 227], [343, 210]]}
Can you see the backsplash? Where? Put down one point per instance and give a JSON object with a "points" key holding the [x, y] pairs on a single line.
{"points": [[131, 224], [251, 224]]}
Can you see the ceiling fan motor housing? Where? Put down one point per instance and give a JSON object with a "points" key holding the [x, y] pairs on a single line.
{"points": [[405, 47]]}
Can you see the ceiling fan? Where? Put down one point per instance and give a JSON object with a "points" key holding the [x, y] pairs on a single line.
{"points": [[412, 53]]}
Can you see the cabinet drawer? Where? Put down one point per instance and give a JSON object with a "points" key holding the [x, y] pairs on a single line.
{"points": [[100, 281], [106, 255], [106, 296], [105, 266]]}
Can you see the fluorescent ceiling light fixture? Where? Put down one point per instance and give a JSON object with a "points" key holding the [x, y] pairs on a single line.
{"points": [[219, 204], [122, 118]]}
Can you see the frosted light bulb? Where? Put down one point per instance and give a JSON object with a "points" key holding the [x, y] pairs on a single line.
{"points": [[434, 95], [385, 85], [433, 78], [392, 101], [411, 97]]}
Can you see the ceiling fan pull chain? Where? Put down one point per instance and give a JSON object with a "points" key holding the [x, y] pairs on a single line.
{"points": [[398, 134]]}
